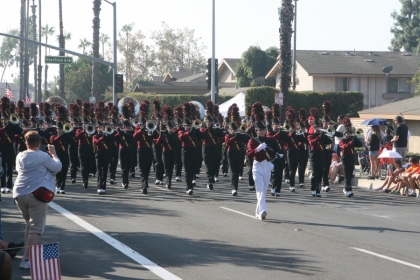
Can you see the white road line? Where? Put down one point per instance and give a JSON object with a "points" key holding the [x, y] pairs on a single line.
{"points": [[231, 210], [140, 259], [386, 257]]}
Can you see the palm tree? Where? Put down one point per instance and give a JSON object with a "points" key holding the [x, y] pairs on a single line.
{"points": [[127, 28], [39, 97], [22, 47], [95, 45], [47, 31], [286, 18], [83, 44], [103, 38], [62, 44]]}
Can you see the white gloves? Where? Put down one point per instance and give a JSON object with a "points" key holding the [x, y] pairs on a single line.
{"points": [[262, 146], [280, 155]]}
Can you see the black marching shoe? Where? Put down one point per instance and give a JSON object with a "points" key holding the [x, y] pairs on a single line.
{"points": [[85, 185], [234, 192], [125, 186], [210, 186], [112, 181], [189, 192], [73, 181], [168, 186], [144, 191]]}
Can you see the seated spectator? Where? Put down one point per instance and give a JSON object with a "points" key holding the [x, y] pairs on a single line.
{"points": [[394, 177], [408, 176], [416, 178], [336, 168], [5, 266]]}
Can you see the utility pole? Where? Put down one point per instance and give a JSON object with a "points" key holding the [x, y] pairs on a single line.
{"points": [[294, 50], [213, 56], [39, 97], [114, 67], [35, 50]]}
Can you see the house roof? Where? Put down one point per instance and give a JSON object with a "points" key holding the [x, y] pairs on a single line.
{"points": [[178, 75], [228, 63], [198, 78], [319, 62], [409, 108]]}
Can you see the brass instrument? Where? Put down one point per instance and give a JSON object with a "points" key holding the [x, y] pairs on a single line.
{"points": [[135, 121], [243, 128], [360, 133], [150, 127], [329, 132], [14, 119], [197, 123], [299, 132], [67, 128], [90, 129], [109, 130], [287, 127]]}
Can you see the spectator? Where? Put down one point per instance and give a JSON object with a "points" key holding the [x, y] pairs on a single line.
{"points": [[408, 176], [340, 128], [394, 177], [336, 168], [400, 136], [5, 266], [34, 171], [374, 142]]}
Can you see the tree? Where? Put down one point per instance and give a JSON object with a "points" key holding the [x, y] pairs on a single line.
{"points": [[103, 38], [8, 51], [95, 46], [127, 28], [47, 31], [84, 44], [62, 44], [286, 19], [22, 46], [406, 28], [79, 80], [255, 63], [177, 50]]}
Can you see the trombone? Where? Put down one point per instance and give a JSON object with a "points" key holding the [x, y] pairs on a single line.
{"points": [[150, 127]]}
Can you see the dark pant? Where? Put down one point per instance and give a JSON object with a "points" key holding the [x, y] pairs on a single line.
{"points": [[102, 165], [157, 156], [286, 167], [134, 159], [178, 160], [210, 160], [168, 158], [198, 159], [250, 178], [234, 158], [74, 160], [327, 163], [225, 162], [8, 156], [126, 160], [87, 159], [145, 159], [317, 166], [302, 163], [242, 159], [113, 161], [292, 162], [348, 166], [60, 177], [278, 174], [188, 155], [218, 159]]}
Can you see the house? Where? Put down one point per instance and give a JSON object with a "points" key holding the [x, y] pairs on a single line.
{"points": [[355, 71], [226, 70], [13, 87], [409, 109]]}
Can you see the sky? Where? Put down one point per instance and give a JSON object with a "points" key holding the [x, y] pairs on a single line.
{"points": [[321, 24]]}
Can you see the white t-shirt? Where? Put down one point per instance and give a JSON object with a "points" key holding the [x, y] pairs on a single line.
{"points": [[341, 128], [333, 164]]}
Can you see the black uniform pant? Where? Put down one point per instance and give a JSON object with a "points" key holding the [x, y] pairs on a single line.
{"points": [[8, 156], [87, 160], [348, 166], [327, 163], [250, 177], [292, 162], [218, 159], [302, 163], [198, 159], [188, 155], [277, 177], [178, 160], [60, 177], [286, 167], [234, 158], [74, 160], [168, 158], [225, 161], [157, 156], [134, 159], [113, 161], [126, 160], [210, 160], [145, 159], [317, 166], [242, 159], [102, 165]]}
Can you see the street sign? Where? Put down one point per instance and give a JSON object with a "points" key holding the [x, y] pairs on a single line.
{"points": [[92, 99], [59, 59], [278, 98]]}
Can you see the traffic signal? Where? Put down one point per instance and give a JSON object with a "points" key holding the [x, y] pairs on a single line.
{"points": [[208, 74], [119, 83]]}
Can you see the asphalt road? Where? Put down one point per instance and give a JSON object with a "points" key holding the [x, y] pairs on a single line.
{"points": [[201, 237]]}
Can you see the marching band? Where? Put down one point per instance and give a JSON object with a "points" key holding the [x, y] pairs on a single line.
{"points": [[94, 139]]}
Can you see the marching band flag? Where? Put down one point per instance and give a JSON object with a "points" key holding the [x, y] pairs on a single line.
{"points": [[45, 263], [9, 93]]}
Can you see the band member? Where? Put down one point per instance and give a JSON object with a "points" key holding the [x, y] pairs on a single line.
{"points": [[49, 129], [347, 145], [126, 141], [7, 136], [133, 117], [262, 166], [328, 149], [85, 143], [76, 122], [113, 143], [101, 155], [252, 132], [221, 139], [178, 148], [157, 149], [168, 140], [144, 139], [225, 162], [61, 143], [187, 136], [198, 145], [301, 125]]}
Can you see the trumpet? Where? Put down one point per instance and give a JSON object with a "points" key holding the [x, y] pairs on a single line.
{"points": [[150, 127], [197, 123], [67, 128], [14, 119], [90, 129], [109, 130], [243, 128], [329, 132]]}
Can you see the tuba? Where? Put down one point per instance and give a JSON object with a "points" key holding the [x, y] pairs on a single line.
{"points": [[197, 123]]}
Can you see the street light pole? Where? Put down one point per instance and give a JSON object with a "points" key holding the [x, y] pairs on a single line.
{"points": [[114, 67], [294, 50], [213, 59]]}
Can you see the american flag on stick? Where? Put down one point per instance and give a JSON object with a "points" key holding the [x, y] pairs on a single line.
{"points": [[45, 263], [9, 93], [28, 99]]}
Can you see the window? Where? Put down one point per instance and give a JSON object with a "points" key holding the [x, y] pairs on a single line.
{"points": [[396, 85], [342, 84]]}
